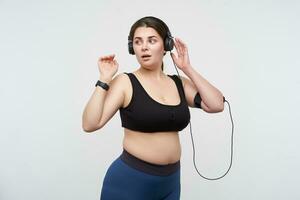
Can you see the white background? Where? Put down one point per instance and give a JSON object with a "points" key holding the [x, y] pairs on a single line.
{"points": [[48, 69]]}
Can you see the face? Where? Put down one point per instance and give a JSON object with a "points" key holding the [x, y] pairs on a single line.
{"points": [[148, 47]]}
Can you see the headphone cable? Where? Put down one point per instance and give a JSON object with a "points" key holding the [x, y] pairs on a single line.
{"points": [[232, 127]]}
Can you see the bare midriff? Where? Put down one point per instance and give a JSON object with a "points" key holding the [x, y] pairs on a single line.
{"points": [[158, 148]]}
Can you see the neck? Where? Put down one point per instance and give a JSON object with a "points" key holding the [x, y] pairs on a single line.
{"points": [[151, 74]]}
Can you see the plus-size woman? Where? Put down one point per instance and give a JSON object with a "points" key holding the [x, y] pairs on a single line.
{"points": [[153, 107]]}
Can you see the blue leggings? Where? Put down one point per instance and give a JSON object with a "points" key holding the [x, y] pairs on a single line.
{"points": [[125, 182]]}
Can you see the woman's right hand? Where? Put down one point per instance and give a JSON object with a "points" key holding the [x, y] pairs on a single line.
{"points": [[108, 66]]}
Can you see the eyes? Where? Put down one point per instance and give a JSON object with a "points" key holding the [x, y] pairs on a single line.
{"points": [[150, 40]]}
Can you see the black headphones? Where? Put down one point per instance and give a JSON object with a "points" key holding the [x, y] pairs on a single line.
{"points": [[168, 41]]}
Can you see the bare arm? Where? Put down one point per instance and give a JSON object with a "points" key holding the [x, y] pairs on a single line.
{"points": [[212, 98], [103, 104], [94, 108]]}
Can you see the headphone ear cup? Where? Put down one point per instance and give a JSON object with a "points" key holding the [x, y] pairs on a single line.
{"points": [[130, 47], [169, 44]]}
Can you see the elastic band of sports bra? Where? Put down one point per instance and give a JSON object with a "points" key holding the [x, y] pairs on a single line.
{"points": [[150, 168]]}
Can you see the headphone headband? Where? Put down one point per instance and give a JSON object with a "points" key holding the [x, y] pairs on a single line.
{"points": [[168, 40]]}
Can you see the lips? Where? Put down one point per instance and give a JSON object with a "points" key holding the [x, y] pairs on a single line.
{"points": [[146, 56]]}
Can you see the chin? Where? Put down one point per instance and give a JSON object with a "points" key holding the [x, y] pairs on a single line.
{"points": [[148, 66]]}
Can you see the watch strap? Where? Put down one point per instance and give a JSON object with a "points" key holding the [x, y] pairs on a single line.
{"points": [[102, 84]]}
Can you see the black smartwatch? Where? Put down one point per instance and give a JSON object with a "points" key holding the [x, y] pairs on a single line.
{"points": [[103, 85]]}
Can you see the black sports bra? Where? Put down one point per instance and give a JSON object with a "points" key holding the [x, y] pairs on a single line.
{"points": [[145, 114]]}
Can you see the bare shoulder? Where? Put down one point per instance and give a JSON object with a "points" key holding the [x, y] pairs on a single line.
{"points": [[123, 83], [188, 84], [119, 82], [123, 79], [120, 79], [185, 80], [190, 90]]}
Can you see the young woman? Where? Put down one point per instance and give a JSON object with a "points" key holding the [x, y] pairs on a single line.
{"points": [[153, 108]]}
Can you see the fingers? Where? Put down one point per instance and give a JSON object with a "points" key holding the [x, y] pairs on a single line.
{"points": [[180, 47], [177, 46], [107, 58], [115, 63]]}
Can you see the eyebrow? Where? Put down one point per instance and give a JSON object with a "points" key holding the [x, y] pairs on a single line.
{"points": [[152, 36]]}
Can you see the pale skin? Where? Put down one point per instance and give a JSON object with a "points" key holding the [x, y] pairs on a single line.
{"points": [[159, 147]]}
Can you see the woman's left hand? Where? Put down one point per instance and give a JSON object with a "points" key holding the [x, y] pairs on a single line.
{"points": [[182, 59]]}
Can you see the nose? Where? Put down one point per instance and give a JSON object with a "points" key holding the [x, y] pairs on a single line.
{"points": [[144, 46]]}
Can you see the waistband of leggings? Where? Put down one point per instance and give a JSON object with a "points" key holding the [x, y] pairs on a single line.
{"points": [[150, 168]]}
